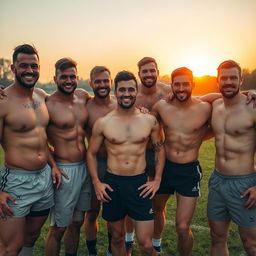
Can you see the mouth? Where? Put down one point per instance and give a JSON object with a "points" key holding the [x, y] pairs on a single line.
{"points": [[28, 76]]}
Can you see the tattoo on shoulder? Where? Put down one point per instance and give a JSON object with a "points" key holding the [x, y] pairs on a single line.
{"points": [[157, 145], [34, 104]]}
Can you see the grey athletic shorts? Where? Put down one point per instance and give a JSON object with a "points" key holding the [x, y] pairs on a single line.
{"points": [[225, 202], [33, 190], [102, 169], [73, 194]]}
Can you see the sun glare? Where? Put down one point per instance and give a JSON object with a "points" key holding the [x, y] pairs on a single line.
{"points": [[201, 66]]}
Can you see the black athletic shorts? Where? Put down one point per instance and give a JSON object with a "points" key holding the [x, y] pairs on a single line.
{"points": [[126, 199], [182, 178]]}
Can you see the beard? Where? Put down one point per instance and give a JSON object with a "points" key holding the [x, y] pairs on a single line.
{"points": [[124, 106], [182, 99], [149, 84], [18, 77], [229, 95], [102, 96], [62, 89]]}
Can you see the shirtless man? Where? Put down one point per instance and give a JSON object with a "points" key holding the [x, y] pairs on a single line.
{"points": [[66, 133], [26, 190], [185, 122], [150, 91], [125, 132], [98, 106], [232, 186]]}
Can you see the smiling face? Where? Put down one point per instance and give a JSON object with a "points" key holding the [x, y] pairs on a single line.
{"points": [[126, 93], [101, 84], [182, 87], [26, 69], [148, 74], [229, 81], [66, 80]]}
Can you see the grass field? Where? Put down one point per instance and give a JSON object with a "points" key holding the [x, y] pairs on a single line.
{"points": [[199, 225]]}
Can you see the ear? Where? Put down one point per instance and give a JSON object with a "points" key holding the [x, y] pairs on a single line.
{"points": [[55, 79], [157, 72], [90, 83], [241, 80], [12, 68]]}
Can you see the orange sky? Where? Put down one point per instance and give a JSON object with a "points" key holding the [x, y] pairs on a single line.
{"points": [[117, 33]]}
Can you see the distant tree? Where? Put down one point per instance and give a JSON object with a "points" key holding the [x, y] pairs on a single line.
{"points": [[6, 76], [249, 81]]}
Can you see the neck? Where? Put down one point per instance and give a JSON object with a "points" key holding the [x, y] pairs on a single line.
{"points": [[183, 104], [101, 101], [23, 91], [234, 100], [126, 111], [146, 90], [65, 97]]}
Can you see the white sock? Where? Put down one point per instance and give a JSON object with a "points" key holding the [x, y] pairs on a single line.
{"points": [[156, 242], [129, 237], [26, 251]]}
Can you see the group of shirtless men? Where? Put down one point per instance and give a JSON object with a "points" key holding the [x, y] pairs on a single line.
{"points": [[144, 159]]}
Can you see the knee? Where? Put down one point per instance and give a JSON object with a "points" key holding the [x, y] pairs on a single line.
{"points": [[183, 229], [92, 215], [118, 238], [31, 238], [249, 246], [218, 238], [57, 232], [146, 246]]}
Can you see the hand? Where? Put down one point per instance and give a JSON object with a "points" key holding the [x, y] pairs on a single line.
{"points": [[2, 93], [251, 97], [101, 193], [143, 110], [251, 202], [169, 97], [56, 176], [5, 210], [150, 187]]}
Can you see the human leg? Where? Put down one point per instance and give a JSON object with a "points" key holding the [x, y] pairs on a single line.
{"points": [[129, 235], [248, 237], [184, 214], [144, 231], [159, 203], [118, 237], [12, 235], [219, 237]]}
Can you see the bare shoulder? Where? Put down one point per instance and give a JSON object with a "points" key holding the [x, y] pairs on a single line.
{"points": [[160, 104], [83, 94], [217, 102], [41, 93], [164, 87]]}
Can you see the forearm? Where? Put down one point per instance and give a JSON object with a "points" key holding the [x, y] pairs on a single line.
{"points": [[92, 167], [51, 160], [159, 162]]}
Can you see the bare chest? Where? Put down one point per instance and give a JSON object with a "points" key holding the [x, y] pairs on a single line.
{"points": [[148, 101], [26, 116]]}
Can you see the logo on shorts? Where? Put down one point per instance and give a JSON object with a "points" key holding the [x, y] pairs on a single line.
{"points": [[194, 189], [252, 218], [150, 211]]}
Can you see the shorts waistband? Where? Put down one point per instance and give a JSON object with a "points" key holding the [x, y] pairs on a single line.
{"points": [[124, 177], [71, 164], [242, 176], [26, 172], [195, 163]]}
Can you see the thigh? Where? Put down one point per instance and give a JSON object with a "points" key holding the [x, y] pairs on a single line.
{"points": [[12, 232], [34, 224], [185, 208], [159, 201], [144, 230], [248, 235], [117, 228]]}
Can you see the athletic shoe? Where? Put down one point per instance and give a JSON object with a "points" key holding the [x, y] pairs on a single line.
{"points": [[158, 250], [129, 248]]}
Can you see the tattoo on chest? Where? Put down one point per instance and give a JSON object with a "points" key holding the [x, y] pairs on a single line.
{"points": [[33, 105], [160, 95]]}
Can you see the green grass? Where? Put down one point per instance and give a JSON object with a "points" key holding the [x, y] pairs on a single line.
{"points": [[202, 236]]}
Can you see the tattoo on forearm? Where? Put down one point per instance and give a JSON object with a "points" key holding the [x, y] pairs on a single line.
{"points": [[157, 145], [34, 104]]}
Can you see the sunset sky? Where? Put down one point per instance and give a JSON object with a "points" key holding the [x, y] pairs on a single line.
{"points": [[198, 34]]}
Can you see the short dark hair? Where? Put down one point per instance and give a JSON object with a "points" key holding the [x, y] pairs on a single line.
{"points": [[229, 64], [145, 61], [181, 72], [124, 76], [65, 63], [97, 70], [24, 48]]}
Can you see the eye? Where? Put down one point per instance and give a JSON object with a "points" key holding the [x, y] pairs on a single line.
{"points": [[97, 81]]}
